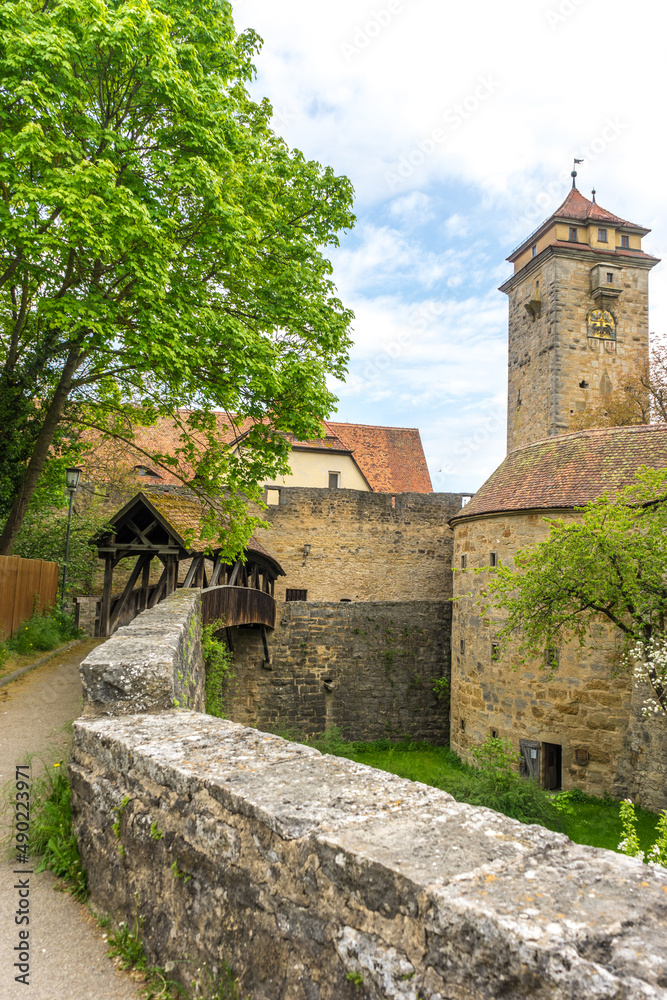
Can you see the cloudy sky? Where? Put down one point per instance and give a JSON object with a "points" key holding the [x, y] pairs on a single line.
{"points": [[457, 125]]}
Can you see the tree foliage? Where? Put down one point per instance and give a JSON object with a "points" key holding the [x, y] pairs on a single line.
{"points": [[160, 247], [609, 564]]}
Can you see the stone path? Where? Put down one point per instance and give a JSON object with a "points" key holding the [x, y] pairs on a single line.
{"points": [[68, 951]]}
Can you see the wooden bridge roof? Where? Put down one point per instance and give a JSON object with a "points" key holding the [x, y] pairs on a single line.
{"points": [[180, 516]]}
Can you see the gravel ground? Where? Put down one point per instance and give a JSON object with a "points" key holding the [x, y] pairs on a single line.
{"points": [[68, 953]]}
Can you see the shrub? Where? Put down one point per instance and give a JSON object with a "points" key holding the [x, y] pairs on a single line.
{"points": [[41, 632], [219, 669], [51, 834], [657, 853]]}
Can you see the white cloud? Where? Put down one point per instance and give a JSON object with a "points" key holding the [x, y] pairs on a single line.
{"points": [[412, 209]]}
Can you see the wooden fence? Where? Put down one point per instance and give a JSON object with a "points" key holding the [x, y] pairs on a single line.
{"points": [[20, 581]]}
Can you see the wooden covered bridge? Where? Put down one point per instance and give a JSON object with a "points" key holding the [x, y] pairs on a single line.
{"points": [[155, 529]]}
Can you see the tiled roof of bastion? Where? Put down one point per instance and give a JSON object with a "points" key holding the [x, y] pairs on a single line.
{"points": [[570, 470]]}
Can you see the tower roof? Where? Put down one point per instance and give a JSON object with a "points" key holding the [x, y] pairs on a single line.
{"points": [[577, 208]]}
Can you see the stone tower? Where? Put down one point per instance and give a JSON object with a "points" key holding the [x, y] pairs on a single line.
{"points": [[578, 316]]}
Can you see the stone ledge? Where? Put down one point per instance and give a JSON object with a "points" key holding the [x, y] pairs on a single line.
{"points": [[300, 869], [151, 664]]}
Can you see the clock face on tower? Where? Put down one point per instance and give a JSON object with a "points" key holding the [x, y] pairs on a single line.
{"points": [[601, 324]]}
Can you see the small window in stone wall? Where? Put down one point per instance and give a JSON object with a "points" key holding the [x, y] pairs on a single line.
{"points": [[463, 725], [494, 734], [495, 650], [296, 595], [551, 657], [493, 559], [463, 646], [464, 562]]}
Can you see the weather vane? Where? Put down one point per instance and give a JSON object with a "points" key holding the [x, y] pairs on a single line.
{"points": [[574, 172]]}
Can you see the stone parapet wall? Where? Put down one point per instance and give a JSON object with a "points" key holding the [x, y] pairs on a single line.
{"points": [[363, 546], [316, 878], [152, 664], [368, 668]]}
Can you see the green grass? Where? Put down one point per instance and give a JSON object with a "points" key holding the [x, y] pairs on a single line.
{"points": [[585, 819]]}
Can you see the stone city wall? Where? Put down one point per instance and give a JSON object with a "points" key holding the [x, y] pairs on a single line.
{"points": [[363, 546], [369, 668], [316, 878], [586, 707]]}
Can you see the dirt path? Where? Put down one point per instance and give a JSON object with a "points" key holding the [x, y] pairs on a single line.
{"points": [[68, 952]]}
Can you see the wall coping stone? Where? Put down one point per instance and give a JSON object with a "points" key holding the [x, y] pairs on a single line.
{"points": [[152, 664], [500, 908]]}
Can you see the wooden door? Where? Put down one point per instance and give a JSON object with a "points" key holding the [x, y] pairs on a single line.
{"points": [[530, 759]]}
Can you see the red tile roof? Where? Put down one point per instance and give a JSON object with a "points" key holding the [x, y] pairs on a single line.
{"points": [[391, 459], [569, 470], [580, 209]]}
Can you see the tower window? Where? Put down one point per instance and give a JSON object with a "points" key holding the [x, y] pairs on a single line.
{"points": [[602, 236], [463, 725], [610, 278], [533, 251], [463, 646], [625, 242], [464, 562], [495, 650], [493, 559], [334, 480], [573, 234]]}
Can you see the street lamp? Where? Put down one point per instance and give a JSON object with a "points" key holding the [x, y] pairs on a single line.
{"points": [[72, 477]]}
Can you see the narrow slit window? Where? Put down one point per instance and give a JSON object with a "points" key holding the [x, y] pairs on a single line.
{"points": [[534, 251], [493, 559], [463, 646], [495, 650], [464, 562]]}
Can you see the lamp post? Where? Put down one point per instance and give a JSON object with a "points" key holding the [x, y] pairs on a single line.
{"points": [[72, 477]]}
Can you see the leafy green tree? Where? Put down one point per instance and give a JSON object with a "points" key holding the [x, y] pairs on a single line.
{"points": [[160, 248], [608, 564]]}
